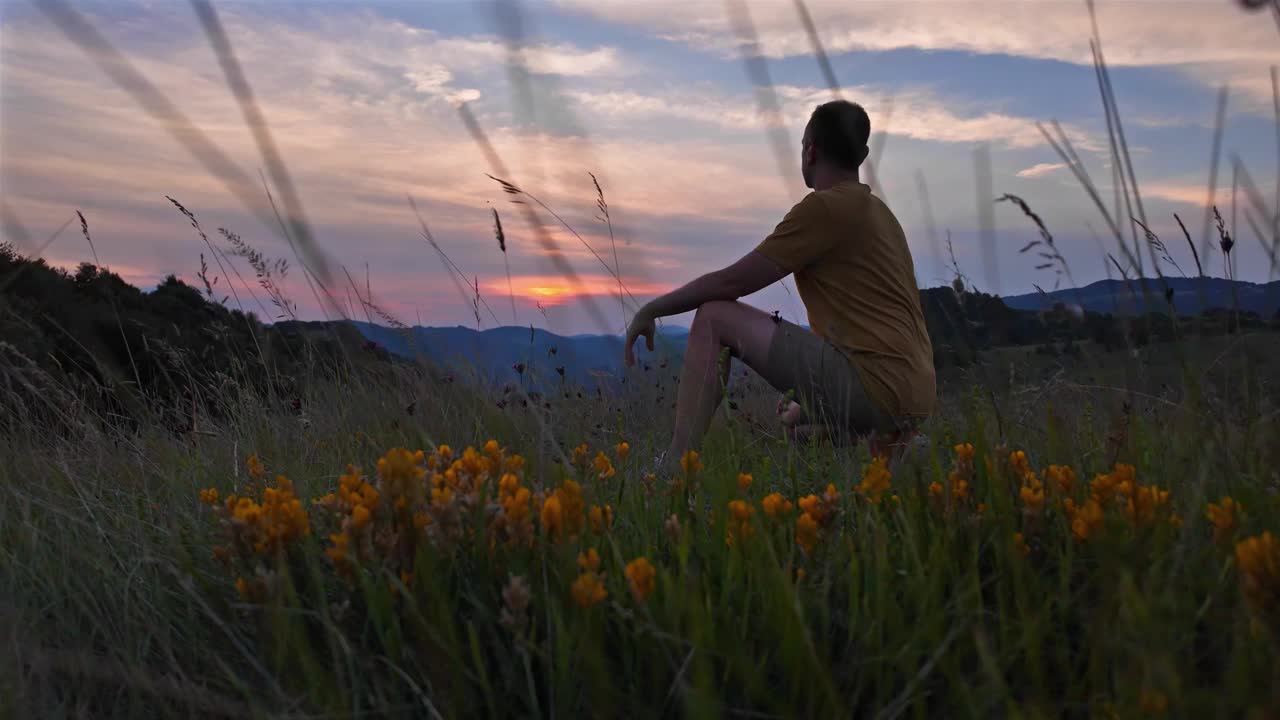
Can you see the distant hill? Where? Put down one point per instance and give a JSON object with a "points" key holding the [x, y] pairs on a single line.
{"points": [[1191, 296], [496, 354], [961, 325]]}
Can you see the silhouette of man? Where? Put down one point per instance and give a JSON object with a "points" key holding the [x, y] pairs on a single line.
{"points": [[867, 364]]}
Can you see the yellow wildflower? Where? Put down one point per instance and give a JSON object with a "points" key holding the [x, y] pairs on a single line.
{"points": [[744, 481], [563, 513], [514, 463], [1141, 507], [242, 587], [588, 590], [601, 518], [1224, 516], [1060, 476], [338, 551], [690, 463], [580, 455], [589, 560], [209, 496], [622, 449], [552, 516], [821, 509], [935, 490], [1018, 462], [1086, 519], [775, 505], [739, 528], [641, 576], [875, 480], [360, 517], [1032, 493], [255, 467], [1119, 481], [807, 532], [1259, 561], [604, 468], [1020, 545]]}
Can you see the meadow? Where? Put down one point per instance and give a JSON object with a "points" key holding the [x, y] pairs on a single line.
{"points": [[1059, 546]]}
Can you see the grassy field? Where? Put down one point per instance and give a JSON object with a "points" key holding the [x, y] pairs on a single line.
{"points": [[1062, 545]]}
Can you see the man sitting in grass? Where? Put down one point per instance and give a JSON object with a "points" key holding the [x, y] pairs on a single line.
{"points": [[867, 365]]}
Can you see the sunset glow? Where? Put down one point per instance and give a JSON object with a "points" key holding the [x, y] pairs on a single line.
{"points": [[651, 98], [552, 291]]}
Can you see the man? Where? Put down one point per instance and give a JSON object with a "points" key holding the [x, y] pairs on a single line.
{"points": [[867, 364]]}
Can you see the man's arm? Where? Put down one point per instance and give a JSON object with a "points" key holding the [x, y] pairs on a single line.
{"points": [[753, 272]]}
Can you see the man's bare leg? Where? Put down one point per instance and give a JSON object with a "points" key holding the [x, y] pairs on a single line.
{"points": [[747, 332]]}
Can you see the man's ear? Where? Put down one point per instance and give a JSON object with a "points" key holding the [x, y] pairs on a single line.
{"points": [[862, 155]]}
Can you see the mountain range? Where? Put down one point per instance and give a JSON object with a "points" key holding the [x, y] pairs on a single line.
{"points": [[542, 359], [1191, 296]]}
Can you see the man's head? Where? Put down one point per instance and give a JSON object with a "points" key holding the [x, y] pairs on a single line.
{"points": [[836, 137]]}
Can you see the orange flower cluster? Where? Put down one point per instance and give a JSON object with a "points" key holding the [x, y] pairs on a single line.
{"points": [[513, 514], [775, 506], [739, 528], [563, 512], [959, 480], [1142, 505], [1061, 477], [603, 466], [816, 514], [589, 589], [641, 577], [1258, 559], [258, 534], [601, 518], [1225, 518], [425, 498], [875, 479]]}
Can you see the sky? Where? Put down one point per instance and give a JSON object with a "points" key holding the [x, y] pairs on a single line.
{"points": [[364, 103]]}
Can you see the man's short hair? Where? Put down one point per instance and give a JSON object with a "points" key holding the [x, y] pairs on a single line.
{"points": [[840, 130]]}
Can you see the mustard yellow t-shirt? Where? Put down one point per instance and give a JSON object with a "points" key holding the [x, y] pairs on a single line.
{"points": [[854, 272]]}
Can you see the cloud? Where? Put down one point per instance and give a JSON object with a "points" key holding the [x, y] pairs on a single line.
{"points": [[1183, 193], [1040, 169], [913, 113], [362, 117], [1183, 30], [1212, 42]]}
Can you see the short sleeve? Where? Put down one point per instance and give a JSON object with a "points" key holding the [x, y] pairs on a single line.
{"points": [[803, 236]]}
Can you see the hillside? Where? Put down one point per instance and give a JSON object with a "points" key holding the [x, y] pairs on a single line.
{"points": [[1191, 296], [86, 341], [496, 354]]}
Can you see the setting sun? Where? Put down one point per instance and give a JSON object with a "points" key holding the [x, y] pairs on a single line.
{"points": [[552, 290]]}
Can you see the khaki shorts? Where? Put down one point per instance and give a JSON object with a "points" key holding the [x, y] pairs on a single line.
{"points": [[826, 382]]}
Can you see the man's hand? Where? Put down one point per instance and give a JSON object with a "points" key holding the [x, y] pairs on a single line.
{"points": [[641, 325]]}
